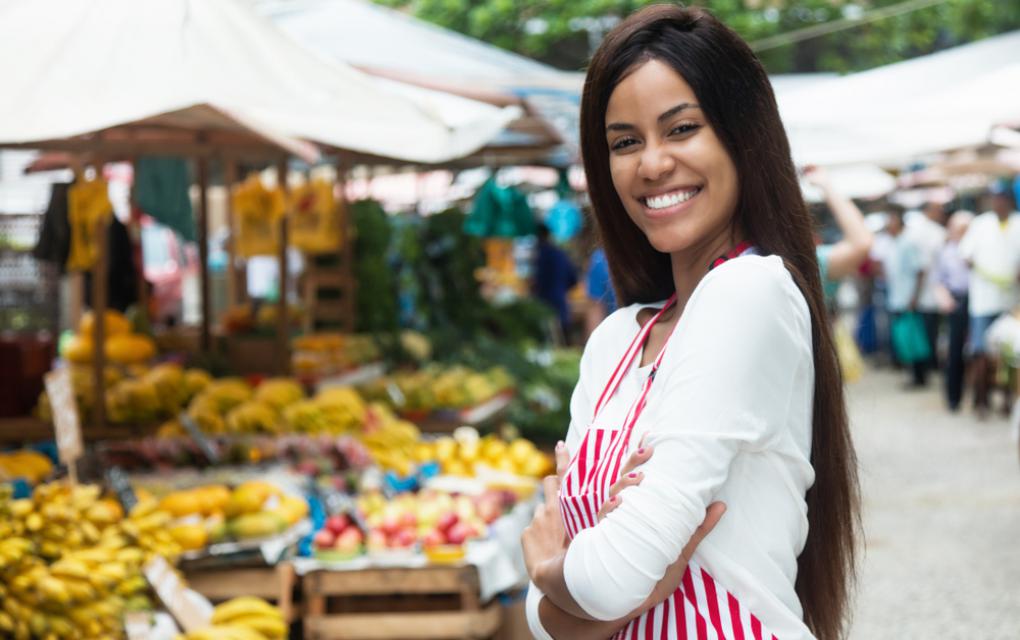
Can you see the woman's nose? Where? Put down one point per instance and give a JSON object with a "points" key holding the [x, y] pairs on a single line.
{"points": [[656, 162]]}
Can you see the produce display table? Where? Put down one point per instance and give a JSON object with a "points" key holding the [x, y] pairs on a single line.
{"points": [[432, 602], [274, 584]]}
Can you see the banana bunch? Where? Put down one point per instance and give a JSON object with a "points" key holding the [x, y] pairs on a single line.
{"points": [[333, 411], [227, 393], [135, 400], [168, 380], [244, 618], [252, 416], [70, 562], [204, 410], [279, 393], [390, 441], [25, 463]]}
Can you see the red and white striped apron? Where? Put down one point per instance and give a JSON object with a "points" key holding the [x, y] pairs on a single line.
{"points": [[700, 608]]}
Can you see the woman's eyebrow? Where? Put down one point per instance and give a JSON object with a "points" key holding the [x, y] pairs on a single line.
{"points": [[665, 115]]}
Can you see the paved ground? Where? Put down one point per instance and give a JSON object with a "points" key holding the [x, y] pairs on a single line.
{"points": [[941, 514]]}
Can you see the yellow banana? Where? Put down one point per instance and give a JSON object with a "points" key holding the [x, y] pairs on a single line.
{"points": [[243, 606]]}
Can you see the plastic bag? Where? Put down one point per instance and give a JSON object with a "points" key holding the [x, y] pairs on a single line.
{"points": [[850, 359], [257, 213], [910, 339], [314, 224]]}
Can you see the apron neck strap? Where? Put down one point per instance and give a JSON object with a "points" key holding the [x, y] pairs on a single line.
{"points": [[637, 345]]}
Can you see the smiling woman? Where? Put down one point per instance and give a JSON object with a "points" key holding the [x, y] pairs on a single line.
{"points": [[730, 376]]}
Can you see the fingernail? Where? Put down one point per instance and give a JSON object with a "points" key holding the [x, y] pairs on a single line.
{"points": [[559, 444], [641, 450], [614, 499], [632, 474]]}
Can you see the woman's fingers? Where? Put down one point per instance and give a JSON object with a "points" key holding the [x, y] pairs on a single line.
{"points": [[637, 458], [551, 488], [629, 480], [608, 507], [712, 515], [562, 459]]}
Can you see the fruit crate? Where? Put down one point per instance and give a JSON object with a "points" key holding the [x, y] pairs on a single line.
{"points": [[426, 603], [275, 584]]}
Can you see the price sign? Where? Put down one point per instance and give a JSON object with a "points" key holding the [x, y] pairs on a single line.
{"points": [[66, 422], [137, 625], [200, 439], [174, 597], [118, 482]]}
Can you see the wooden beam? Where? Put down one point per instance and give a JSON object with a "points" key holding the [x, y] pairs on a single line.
{"points": [[100, 283], [282, 321], [234, 287], [202, 221]]}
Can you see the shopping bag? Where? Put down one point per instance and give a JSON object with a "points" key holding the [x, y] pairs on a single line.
{"points": [[850, 359], [909, 338]]}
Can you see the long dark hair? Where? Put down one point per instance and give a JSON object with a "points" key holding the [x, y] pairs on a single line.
{"points": [[737, 99]]}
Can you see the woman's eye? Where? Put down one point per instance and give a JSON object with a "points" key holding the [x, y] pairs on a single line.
{"points": [[622, 143], [681, 129]]}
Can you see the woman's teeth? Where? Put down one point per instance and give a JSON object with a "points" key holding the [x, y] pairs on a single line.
{"points": [[670, 199]]}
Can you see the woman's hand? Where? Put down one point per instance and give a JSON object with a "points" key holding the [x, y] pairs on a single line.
{"points": [[546, 537]]}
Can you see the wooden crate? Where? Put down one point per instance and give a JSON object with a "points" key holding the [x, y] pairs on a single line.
{"points": [[428, 603], [275, 584]]}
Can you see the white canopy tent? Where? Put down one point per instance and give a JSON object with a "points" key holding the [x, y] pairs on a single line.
{"points": [[943, 101], [79, 67]]}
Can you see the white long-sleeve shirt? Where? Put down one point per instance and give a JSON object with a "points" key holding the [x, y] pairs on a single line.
{"points": [[729, 417]]}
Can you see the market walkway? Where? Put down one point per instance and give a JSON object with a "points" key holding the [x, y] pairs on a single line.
{"points": [[941, 514]]}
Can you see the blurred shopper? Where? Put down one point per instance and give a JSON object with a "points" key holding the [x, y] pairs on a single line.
{"points": [[842, 258], [992, 248], [928, 232], [554, 277], [952, 280], [904, 274], [600, 290]]}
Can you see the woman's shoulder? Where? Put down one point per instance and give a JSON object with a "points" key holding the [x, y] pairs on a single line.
{"points": [[751, 284]]}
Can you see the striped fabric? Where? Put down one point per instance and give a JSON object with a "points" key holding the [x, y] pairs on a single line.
{"points": [[700, 608]]}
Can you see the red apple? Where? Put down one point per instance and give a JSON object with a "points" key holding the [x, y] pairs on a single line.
{"points": [[446, 521], [350, 536], [403, 539], [434, 538], [408, 520], [391, 524], [337, 523], [349, 541], [324, 539], [459, 532]]}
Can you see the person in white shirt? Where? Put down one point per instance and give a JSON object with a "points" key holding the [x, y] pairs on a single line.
{"points": [[904, 268], [992, 248], [716, 382], [928, 230]]}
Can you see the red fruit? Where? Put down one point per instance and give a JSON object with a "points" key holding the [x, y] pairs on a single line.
{"points": [[434, 538], [391, 525], [337, 523], [403, 538], [459, 532], [409, 520], [446, 521], [324, 539], [350, 536]]}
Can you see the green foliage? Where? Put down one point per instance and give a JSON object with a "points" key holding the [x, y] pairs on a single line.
{"points": [[377, 288], [563, 39]]}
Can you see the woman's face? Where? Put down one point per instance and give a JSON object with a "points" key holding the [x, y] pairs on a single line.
{"points": [[673, 175]]}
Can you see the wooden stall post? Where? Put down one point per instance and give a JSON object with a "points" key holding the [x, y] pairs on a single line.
{"points": [[346, 241], [282, 321], [137, 248], [234, 286], [99, 291], [202, 164]]}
